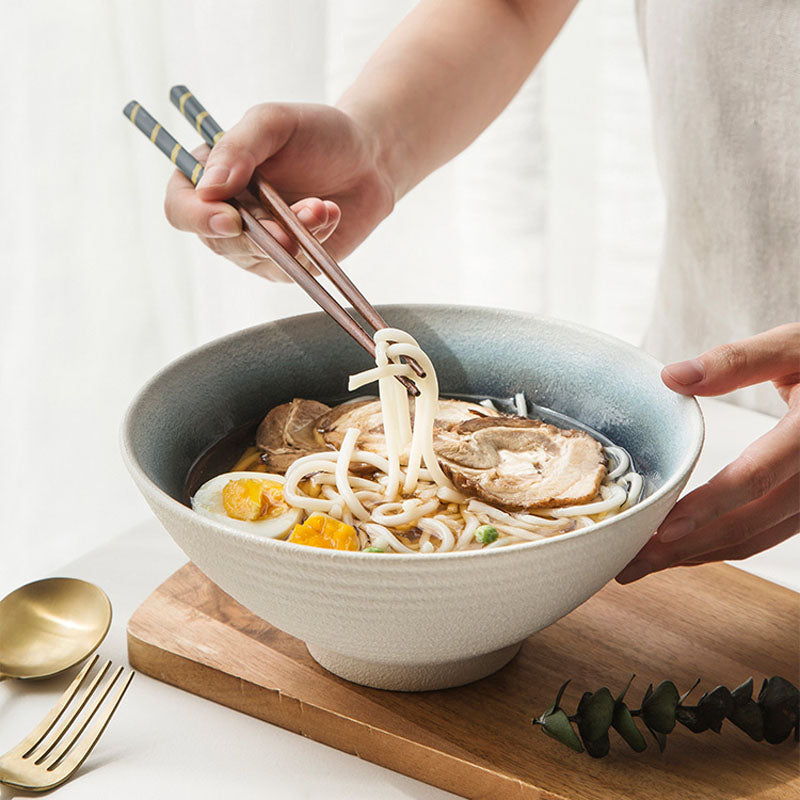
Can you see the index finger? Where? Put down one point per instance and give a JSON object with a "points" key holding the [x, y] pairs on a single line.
{"points": [[766, 356]]}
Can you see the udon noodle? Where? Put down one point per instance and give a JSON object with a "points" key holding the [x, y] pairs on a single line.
{"points": [[401, 494]]}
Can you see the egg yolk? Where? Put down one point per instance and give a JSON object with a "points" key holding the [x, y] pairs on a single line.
{"points": [[320, 530], [251, 499]]}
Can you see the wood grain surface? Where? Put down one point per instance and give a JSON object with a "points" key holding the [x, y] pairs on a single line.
{"points": [[713, 622]]}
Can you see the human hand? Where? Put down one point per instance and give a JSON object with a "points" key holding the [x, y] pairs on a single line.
{"points": [[754, 502], [306, 152]]}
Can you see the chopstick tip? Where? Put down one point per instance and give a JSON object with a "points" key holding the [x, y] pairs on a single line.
{"points": [[411, 387], [177, 91]]}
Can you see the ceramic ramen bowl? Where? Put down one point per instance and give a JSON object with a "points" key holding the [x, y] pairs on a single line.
{"points": [[413, 622]]}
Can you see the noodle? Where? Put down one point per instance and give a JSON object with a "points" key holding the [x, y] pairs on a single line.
{"points": [[622, 460], [409, 495], [342, 478], [612, 497]]}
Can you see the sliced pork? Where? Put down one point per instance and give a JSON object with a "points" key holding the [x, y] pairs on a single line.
{"points": [[520, 464], [366, 416], [288, 432]]}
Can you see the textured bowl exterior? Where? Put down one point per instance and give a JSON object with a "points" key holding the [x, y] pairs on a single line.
{"points": [[402, 621]]}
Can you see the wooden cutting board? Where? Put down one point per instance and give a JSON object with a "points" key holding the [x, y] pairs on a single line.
{"points": [[715, 622]]}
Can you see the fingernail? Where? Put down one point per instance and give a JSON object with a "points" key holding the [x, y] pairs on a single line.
{"points": [[307, 217], [687, 372], [676, 529], [638, 568], [214, 176], [223, 225]]}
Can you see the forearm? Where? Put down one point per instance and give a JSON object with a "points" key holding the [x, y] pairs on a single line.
{"points": [[444, 74]]}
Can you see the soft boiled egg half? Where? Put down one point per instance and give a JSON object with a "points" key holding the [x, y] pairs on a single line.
{"points": [[247, 501]]}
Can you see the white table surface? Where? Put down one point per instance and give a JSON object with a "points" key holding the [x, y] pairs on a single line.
{"points": [[166, 743]]}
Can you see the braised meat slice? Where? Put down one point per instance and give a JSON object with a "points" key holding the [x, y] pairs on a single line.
{"points": [[330, 429], [520, 464], [287, 432], [366, 416]]}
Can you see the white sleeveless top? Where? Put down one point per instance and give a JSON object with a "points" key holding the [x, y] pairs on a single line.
{"points": [[725, 85]]}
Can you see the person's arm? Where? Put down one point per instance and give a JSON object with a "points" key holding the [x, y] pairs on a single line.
{"points": [[444, 74], [439, 79]]}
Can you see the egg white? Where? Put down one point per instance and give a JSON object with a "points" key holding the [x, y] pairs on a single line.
{"points": [[207, 501]]}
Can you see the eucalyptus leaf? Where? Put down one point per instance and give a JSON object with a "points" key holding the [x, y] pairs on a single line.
{"points": [[692, 717], [743, 692], [599, 747], [625, 726], [595, 712], [709, 713], [745, 713], [715, 706], [779, 702], [658, 707], [661, 739], [557, 725]]}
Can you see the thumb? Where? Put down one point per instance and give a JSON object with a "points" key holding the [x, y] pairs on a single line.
{"points": [[767, 356], [261, 132]]}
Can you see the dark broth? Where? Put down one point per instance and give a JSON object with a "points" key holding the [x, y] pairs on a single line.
{"points": [[219, 457]]}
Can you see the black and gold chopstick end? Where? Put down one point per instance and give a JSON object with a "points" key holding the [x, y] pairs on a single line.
{"points": [[143, 121], [162, 139], [178, 95], [193, 110], [131, 110]]}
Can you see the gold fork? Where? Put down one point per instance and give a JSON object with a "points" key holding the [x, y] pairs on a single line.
{"points": [[52, 752]]}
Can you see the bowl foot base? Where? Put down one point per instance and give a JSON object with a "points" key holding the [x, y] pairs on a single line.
{"points": [[413, 677]]}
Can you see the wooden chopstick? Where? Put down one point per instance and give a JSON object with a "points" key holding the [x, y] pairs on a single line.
{"points": [[191, 108], [245, 204]]}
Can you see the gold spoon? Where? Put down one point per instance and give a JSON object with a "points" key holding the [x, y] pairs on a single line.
{"points": [[50, 625]]}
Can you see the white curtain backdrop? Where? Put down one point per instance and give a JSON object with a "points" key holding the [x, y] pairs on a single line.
{"points": [[98, 292]]}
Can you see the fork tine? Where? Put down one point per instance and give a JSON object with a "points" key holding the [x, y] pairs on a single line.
{"points": [[61, 771], [50, 719], [55, 753], [64, 724]]}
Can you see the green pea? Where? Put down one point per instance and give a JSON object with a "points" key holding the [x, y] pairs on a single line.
{"points": [[486, 534]]}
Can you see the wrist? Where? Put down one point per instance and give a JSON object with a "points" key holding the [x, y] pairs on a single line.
{"points": [[388, 149]]}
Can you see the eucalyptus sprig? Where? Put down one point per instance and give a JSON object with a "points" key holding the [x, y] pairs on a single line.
{"points": [[772, 717]]}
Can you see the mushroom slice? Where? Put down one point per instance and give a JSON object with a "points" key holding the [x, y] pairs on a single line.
{"points": [[287, 432], [520, 464], [366, 416]]}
